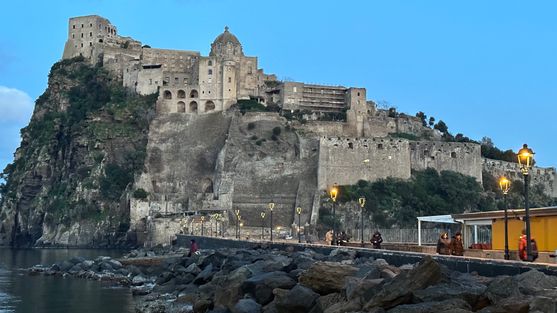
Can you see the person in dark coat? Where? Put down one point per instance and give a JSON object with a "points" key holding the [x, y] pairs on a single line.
{"points": [[376, 240], [457, 248], [444, 244], [193, 248]]}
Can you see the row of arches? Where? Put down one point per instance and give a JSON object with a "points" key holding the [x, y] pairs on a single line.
{"points": [[193, 107], [181, 94]]}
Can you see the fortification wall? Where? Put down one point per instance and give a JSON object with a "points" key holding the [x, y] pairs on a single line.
{"points": [[464, 158], [547, 177], [343, 160]]}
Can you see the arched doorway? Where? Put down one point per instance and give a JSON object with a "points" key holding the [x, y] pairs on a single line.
{"points": [[209, 106], [193, 107], [181, 94], [181, 108], [167, 95], [194, 93]]}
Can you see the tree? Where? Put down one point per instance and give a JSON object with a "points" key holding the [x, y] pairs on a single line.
{"points": [[442, 127], [431, 121], [421, 115]]}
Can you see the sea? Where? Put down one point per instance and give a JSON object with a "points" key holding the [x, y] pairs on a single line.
{"points": [[22, 293]]}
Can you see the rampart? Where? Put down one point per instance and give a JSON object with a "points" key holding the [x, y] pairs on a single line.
{"points": [[547, 177], [346, 160], [464, 158]]}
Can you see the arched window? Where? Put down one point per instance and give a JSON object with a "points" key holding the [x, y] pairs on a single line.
{"points": [[210, 72], [181, 107], [193, 107], [194, 94], [167, 94], [210, 63], [209, 106], [181, 94]]}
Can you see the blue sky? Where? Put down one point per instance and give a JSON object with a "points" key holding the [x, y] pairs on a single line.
{"points": [[486, 68]]}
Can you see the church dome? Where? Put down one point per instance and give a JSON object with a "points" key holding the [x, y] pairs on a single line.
{"points": [[225, 44]]}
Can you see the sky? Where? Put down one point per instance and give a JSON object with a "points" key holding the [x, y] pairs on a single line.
{"points": [[486, 68]]}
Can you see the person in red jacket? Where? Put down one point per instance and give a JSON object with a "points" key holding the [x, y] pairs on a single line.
{"points": [[523, 249], [193, 248]]}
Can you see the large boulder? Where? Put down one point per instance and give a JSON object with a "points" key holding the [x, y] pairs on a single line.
{"points": [[400, 290], [509, 305], [327, 277], [261, 286], [299, 299], [503, 287], [247, 306], [452, 305], [534, 281], [461, 286], [326, 301], [229, 291], [205, 275]]}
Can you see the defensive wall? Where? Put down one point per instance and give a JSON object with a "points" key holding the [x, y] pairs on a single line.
{"points": [[484, 267], [547, 177]]}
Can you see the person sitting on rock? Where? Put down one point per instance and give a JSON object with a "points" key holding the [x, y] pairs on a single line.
{"points": [[444, 244], [457, 248], [193, 248], [376, 240]]}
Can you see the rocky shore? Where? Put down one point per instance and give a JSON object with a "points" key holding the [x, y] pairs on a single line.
{"points": [[274, 281]]}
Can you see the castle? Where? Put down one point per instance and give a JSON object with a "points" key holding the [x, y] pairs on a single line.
{"points": [[202, 160]]}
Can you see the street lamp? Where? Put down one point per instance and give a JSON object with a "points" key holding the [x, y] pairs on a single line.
{"points": [[362, 202], [505, 186], [202, 223], [271, 207], [299, 212], [525, 160], [237, 211], [333, 193], [263, 225], [240, 229]]}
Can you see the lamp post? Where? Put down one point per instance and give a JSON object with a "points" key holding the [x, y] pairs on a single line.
{"points": [[362, 202], [299, 212], [525, 160], [202, 223], [333, 193], [240, 229], [263, 225], [237, 211], [505, 186], [271, 207]]}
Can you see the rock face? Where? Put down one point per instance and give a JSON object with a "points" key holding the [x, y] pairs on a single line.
{"points": [[327, 277], [85, 142]]}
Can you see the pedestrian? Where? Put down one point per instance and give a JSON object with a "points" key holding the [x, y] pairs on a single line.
{"points": [[376, 240], [457, 248], [343, 238], [523, 247], [329, 237], [194, 249], [444, 244]]}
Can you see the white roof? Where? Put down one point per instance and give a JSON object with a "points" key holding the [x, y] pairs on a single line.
{"points": [[447, 219]]}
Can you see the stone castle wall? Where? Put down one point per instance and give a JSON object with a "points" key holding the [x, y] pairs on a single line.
{"points": [[547, 177], [464, 158], [344, 161]]}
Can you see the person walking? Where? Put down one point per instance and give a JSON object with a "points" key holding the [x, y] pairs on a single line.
{"points": [[444, 244], [523, 247], [376, 240], [456, 246]]}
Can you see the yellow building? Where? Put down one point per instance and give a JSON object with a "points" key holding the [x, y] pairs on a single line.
{"points": [[543, 223]]}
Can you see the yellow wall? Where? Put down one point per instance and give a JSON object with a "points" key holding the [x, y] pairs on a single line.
{"points": [[543, 229]]}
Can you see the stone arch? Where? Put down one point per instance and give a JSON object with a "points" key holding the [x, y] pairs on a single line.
{"points": [[181, 94], [167, 94], [193, 107], [209, 106], [194, 94], [181, 108]]}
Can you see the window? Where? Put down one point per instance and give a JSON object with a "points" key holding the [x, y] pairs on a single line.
{"points": [[350, 145], [294, 89], [193, 107], [210, 63], [358, 94], [167, 95], [380, 146], [185, 81], [150, 81], [181, 108], [91, 25], [73, 26], [176, 80], [90, 44], [249, 70], [194, 94], [73, 35], [181, 94], [90, 34], [209, 106], [81, 25], [229, 79], [453, 155], [81, 35], [210, 72], [82, 45]]}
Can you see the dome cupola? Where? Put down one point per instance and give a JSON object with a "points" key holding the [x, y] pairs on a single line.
{"points": [[226, 45]]}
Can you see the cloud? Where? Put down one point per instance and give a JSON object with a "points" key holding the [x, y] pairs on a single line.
{"points": [[16, 106]]}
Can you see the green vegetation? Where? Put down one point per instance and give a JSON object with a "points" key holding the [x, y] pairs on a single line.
{"points": [[140, 193], [303, 115], [250, 106]]}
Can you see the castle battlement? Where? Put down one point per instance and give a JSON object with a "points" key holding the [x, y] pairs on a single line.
{"points": [[364, 143]]}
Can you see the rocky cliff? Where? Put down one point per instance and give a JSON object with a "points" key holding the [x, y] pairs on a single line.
{"points": [[79, 154]]}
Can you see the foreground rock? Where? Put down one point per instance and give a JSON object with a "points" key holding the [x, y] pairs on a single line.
{"points": [[273, 281]]}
